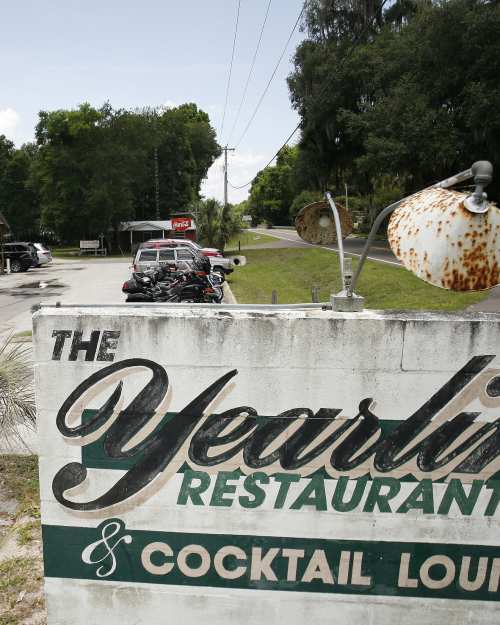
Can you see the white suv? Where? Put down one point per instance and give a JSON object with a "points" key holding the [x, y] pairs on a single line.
{"points": [[153, 257], [167, 246]]}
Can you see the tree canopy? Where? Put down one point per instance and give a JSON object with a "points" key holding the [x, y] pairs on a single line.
{"points": [[391, 98], [18, 196], [92, 168], [95, 167]]}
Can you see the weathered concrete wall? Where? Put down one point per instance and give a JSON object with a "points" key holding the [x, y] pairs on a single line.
{"points": [[226, 467]]}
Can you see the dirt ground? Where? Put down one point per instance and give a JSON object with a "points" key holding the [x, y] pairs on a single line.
{"points": [[21, 563]]}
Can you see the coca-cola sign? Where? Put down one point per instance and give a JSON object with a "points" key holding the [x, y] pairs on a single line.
{"points": [[181, 224]]}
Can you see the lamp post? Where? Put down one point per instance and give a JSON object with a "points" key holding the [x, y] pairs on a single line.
{"points": [[474, 204]]}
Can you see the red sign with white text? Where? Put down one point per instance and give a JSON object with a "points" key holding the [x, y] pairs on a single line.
{"points": [[180, 224]]}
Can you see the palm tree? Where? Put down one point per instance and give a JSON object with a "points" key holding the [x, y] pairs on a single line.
{"points": [[17, 397]]}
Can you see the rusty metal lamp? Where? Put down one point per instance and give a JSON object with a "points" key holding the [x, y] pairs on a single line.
{"points": [[447, 238]]}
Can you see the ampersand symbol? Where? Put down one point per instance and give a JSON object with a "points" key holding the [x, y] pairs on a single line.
{"points": [[108, 531]]}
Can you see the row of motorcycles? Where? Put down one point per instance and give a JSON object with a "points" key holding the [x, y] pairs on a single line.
{"points": [[191, 283]]}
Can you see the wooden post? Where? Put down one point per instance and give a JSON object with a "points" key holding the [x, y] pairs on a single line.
{"points": [[274, 297], [314, 294]]}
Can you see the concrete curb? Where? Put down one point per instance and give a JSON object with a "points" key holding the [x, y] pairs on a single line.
{"points": [[228, 298]]}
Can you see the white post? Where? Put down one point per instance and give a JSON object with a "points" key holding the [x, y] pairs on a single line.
{"points": [[8, 265]]}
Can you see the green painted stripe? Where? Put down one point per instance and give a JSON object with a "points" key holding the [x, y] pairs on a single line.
{"points": [[94, 456], [63, 547]]}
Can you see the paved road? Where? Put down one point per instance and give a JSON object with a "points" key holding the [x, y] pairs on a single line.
{"points": [[352, 247], [71, 282]]}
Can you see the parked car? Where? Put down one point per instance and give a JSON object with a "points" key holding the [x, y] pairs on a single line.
{"points": [[206, 251], [22, 256], [217, 260], [43, 253], [152, 258]]}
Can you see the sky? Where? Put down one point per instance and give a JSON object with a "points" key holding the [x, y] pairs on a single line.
{"points": [[59, 53]]}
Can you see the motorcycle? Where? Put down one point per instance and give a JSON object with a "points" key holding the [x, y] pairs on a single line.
{"points": [[192, 285]]}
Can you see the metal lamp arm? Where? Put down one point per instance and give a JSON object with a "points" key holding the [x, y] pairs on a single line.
{"points": [[338, 230], [376, 225]]}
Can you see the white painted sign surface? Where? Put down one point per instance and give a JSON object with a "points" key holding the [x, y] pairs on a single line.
{"points": [[222, 466], [90, 245]]}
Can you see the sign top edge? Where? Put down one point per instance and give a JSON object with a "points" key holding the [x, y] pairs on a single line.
{"points": [[254, 310]]}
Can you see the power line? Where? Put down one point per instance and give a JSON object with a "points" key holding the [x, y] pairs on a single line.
{"points": [[251, 71], [320, 95], [272, 77], [230, 68], [242, 186]]}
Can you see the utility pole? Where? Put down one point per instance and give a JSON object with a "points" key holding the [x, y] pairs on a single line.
{"points": [[157, 185], [226, 150]]}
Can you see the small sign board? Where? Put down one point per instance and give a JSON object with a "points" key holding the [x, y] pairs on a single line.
{"points": [[181, 224], [90, 245], [247, 218]]}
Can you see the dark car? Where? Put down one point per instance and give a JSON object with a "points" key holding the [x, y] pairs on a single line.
{"points": [[22, 256]]}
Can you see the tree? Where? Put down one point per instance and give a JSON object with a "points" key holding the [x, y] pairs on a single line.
{"points": [[19, 200], [186, 147], [273, 190], [413, 97], [216, 223], [6, 155], [69, 143], [208, 213], [95, 167]]}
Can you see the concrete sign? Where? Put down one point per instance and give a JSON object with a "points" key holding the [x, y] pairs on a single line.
{"points": [[232, 467]]}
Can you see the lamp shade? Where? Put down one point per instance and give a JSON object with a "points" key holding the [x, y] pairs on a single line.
{"points": [[315, 223], [443, 243]]}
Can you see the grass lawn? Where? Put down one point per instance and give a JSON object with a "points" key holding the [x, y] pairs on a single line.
{"points": [[248, 238], [64, 252], [293, 271], [21, 569]]}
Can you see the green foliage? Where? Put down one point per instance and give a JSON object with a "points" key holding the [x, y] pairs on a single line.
{"points": [[17, 407], [17, 575], [19, 480], [18, 199], [95, 167], [22, 573], [216, 224], [28, 532], [411, 94], [208, 214], [303, 199], [273, 190], [355, 202]]}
